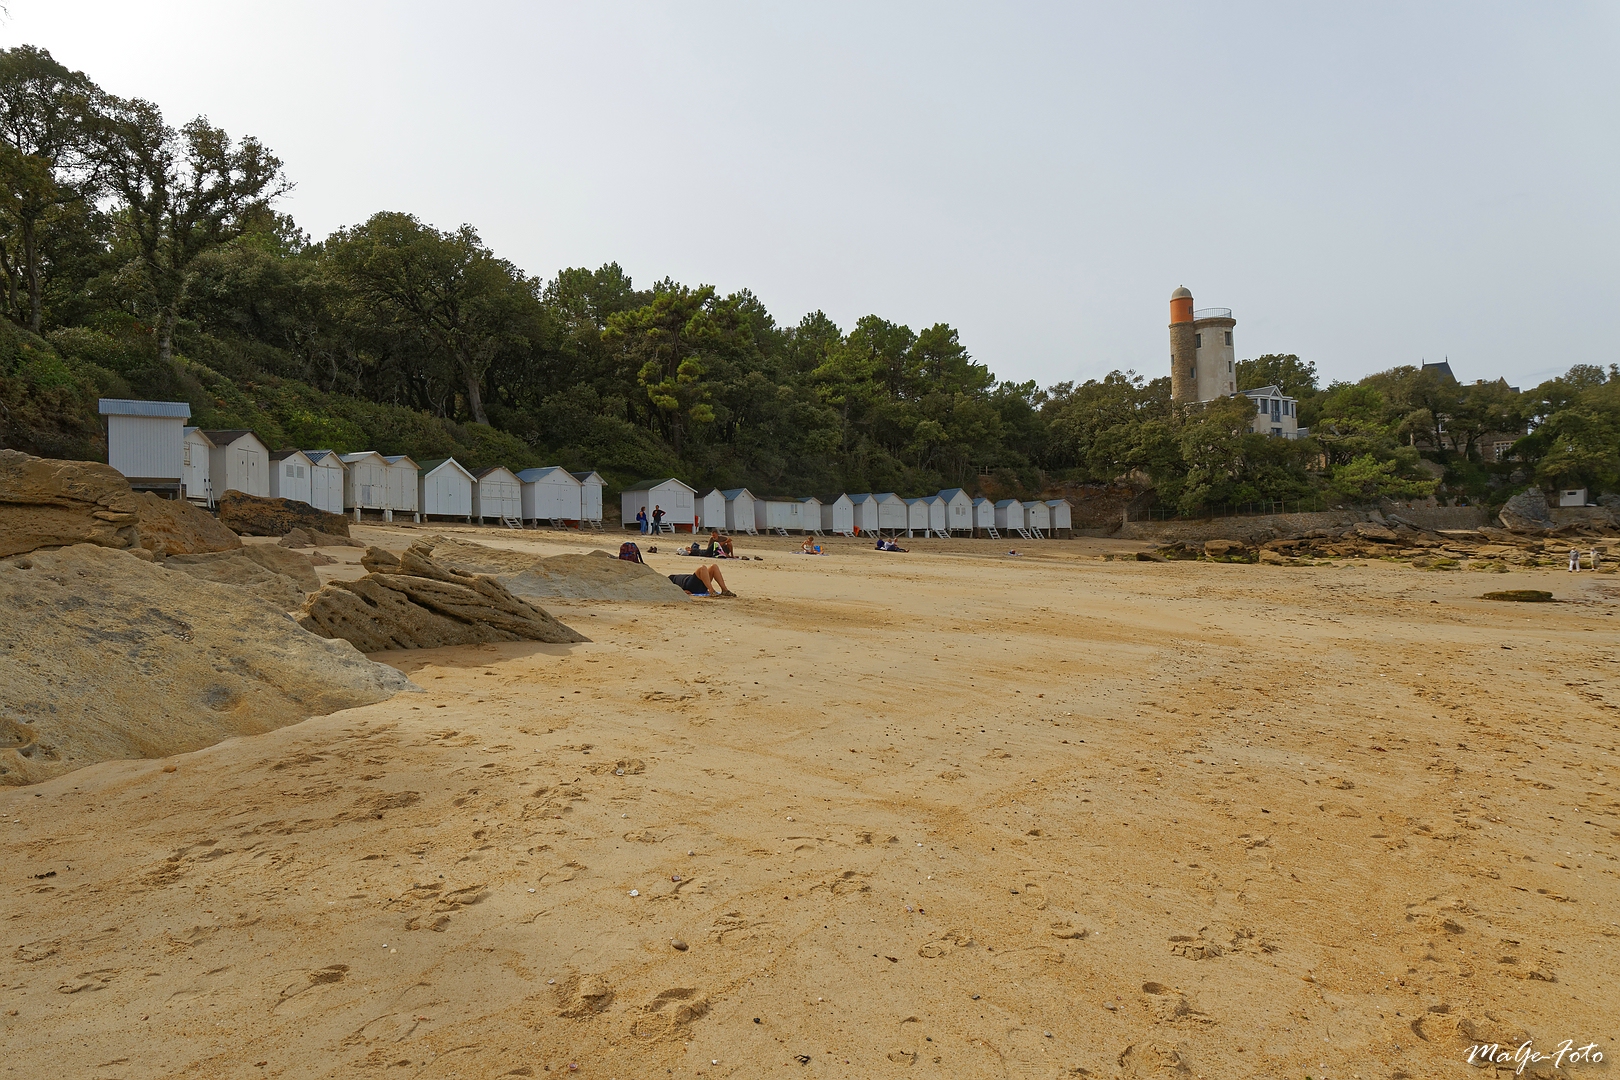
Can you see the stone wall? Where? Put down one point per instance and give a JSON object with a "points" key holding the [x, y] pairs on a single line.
{"points": [[1596, 515], [1250, 530], [1440, 517]]}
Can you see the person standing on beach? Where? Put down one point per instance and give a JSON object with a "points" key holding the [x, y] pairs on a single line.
{"points": [[1574, 560], [657, 518], [641, 520]]}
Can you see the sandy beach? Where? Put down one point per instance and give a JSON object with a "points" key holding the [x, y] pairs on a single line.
{"points": [[948, 813]]}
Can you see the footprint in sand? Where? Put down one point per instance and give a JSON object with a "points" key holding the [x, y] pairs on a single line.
{"points": [[951, 939], [671, 1011]]}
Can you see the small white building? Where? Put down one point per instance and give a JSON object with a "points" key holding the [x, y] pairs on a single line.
{"points": [[893, 514], [498, 494], [936, 514], [402, 486], [711, 510], [290, 475], [195, 452], [916, 517], [325, 480], [958, 510], [864, 512], [1572, 497], [1062, 516], [1038, 516], [445, 489], [238, 462], [984, 514], [550, 493], [741, 516], [837, 515], [365, 481], [145, 441], [677, 498], [788, 514], [1275, 413], [590, 495], [812, 514], [1010, 515]]}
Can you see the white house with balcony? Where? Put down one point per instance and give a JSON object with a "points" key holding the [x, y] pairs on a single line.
{"points": [[1275, 413]]}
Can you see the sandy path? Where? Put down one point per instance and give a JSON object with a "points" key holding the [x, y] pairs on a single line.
{"points": [[943, 814]]}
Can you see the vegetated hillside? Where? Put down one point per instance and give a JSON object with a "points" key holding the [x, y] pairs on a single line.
{"points": [[140, 259]]}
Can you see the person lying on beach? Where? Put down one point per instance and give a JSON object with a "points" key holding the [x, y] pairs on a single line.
{"points": [[704, 581], [889, 545]]}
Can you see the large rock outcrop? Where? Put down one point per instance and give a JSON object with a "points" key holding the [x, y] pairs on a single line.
{"points": [[48, 503], [253, 515], [413, 602], [269, 572], [596, 576], [176, 527], [104, 656], [303, 538], [1527, 512]]}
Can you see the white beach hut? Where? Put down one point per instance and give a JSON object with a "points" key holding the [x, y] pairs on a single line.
{"points": [[984, 514], [498, 494], [1062, 516], [893, 514], [916, 517], [145, 441], [402, 486], [590, 496], [786, 515], [679, 500], [238, 462], [864, 512], [740, 515], [1010, 516], [812, 514], [710, 510], [365, 481], [445, 489], [550, 494], [325, 480], [837, 515], [194, 455], [958, 510], [289, 475], [936, 514], [1039, 518]]}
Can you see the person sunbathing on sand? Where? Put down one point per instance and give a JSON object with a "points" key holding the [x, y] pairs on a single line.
{"points": [[889, 545], [704, 581]]}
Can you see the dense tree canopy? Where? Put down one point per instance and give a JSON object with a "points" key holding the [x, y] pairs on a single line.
{"points": [[141, 258]]}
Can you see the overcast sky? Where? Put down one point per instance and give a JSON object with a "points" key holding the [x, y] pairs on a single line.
{"points": [[1365, 185]]}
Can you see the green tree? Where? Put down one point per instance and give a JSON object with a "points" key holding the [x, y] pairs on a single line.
{"points": [[181, 193]]}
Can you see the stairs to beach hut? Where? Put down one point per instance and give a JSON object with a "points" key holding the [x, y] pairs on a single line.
{"points": [[512, 522], [993, 534]]}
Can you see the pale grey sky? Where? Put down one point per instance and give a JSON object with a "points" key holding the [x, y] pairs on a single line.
{"points": [[1364, 184]]}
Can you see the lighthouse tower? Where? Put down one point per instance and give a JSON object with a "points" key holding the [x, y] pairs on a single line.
{"points": [[1202, 361]]}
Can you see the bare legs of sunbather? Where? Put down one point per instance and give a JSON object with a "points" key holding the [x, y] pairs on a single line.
{"points": [[712, 580]]}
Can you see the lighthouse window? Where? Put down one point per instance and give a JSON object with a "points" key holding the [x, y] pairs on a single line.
{"points": [[1229, 337], [1198, 341]]}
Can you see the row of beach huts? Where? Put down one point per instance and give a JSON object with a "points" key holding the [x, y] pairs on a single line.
{"points": [[150, 443], [738, 510]]}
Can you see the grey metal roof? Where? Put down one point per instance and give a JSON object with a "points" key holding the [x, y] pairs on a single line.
{"points": [[127, 407], [481, 473], [397, 458], [950, 493], [828, 500], [810, 498], [732, 493], [582, 477], [1009, 502], [529, 476], [357, 455], [648, 485], [429, 466], [226, 436], [318, 456], [282, 455]]}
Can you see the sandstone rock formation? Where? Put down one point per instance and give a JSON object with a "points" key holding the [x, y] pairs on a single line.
{"points": [[105, 656], [303, 538], [176, 527], [1527, 512], [252, 515], [269, 572], [1216, 549], [49, 503], [414, 602], [596, 576]]}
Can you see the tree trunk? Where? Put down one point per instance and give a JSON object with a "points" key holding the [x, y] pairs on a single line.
{"points": [[475, 399], [165, 336], [31, 268]]}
